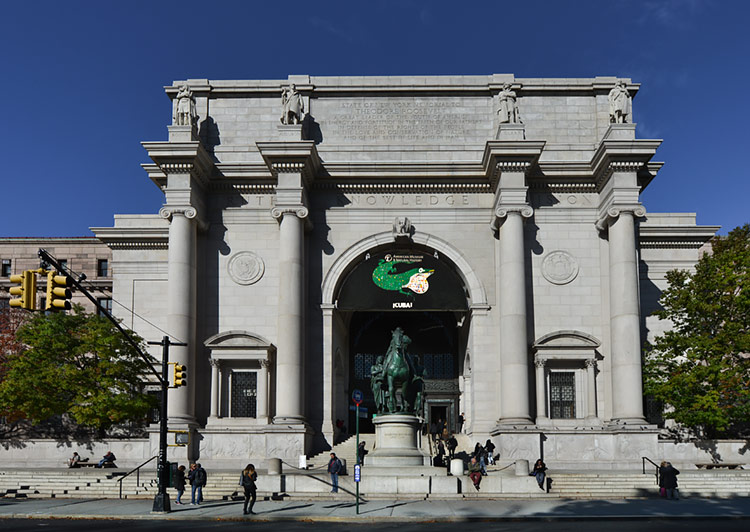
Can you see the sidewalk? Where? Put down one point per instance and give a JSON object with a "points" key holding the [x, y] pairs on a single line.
{"points": [[392, 511]]}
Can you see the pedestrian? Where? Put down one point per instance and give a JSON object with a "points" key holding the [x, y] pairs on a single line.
{"points": [[361, 452], [334, 468], [662, 489], [481, 456], [179, 483], [452, 444], [433, 430], [461, 422], [440, 454], [668, 477], [475, 472], [74, 460], [247, 481], [198, 478], [489, 449], [539, 472], [108, 460]]}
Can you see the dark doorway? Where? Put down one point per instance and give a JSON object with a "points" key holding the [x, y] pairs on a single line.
{"points": [[434, 338]]}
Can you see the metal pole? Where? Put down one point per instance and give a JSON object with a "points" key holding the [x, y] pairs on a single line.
{"points": [[161, 500], [358, 463]]}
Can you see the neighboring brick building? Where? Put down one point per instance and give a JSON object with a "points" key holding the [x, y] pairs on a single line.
{"points": [[84, 254]]}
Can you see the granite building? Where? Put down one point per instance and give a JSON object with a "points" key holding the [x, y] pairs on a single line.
{"points": [[496, 219]]}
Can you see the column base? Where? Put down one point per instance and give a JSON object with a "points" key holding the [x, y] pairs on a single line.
{"points": [[517, 421], [289, 420]]}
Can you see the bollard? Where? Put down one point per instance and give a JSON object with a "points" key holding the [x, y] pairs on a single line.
{"points": [[522, 468], [274, 466], [457, 467]]}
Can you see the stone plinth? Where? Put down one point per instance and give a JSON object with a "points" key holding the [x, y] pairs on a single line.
{"points": [[396, 442], [289, 131], [511, 132]]}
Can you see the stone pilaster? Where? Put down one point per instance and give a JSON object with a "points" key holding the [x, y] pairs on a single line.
{"points": [[590, 364], [541, 391], [215, 387]]}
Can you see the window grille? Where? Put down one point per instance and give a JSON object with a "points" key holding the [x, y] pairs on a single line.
{"points": [[244, 394], [562, 389]]}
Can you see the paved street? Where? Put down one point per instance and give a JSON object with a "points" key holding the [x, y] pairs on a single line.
{"points": [[396, 513]]}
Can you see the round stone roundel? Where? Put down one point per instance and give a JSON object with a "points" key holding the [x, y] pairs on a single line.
{"points": [[559, 267], [246, 268]]}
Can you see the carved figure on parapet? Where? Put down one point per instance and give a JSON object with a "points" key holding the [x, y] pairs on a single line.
{"points": [[183, 108], [292, 105], [508, 108], [619, 104], [402, 228]]}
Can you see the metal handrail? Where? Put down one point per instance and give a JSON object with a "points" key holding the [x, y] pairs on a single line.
{"points": [[137, 472], [656, 466]]}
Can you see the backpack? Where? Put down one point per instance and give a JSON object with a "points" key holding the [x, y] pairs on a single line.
{"points": [[200, 477]]}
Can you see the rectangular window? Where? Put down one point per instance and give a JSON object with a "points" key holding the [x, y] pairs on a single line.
{"points": [[106, 303], [244, 393], [562, 395], [5, 268], [63, 264], [102, 268]]}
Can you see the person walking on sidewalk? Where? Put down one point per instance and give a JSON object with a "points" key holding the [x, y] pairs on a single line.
{"points": [[247, 481], [198, 478], [179, 483], [334, 468], [668, 480]]}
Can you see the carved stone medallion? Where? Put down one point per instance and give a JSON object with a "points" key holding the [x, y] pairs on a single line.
{"points": [[559, 267], [246, 268]]}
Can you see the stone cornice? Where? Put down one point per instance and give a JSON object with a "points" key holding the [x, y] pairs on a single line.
{"points": [[675, 236], [133, 237], [622, 156], [292, 157], [509, 156], [179, 158]]}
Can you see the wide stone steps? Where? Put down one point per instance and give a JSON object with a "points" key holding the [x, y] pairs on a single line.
{"points": [[223, 485]]}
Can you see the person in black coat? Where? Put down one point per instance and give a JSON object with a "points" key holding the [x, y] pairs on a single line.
{"points": [[668, 480], [247, 481]]}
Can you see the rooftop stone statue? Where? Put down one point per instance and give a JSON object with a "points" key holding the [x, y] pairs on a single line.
{"points": [[619, 104]]}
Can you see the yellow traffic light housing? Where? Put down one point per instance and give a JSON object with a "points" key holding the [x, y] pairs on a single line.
{"points": [[26, 290], [58, 294], [179, 375]]}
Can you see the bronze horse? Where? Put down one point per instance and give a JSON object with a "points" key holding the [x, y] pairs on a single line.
{"points": [[398, 372]]}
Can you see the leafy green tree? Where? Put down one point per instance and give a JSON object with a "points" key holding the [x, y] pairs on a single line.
{"points": [[77, 364], [700, 369]]}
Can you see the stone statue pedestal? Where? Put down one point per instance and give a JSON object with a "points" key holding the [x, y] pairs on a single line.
{"points": [[182, 133], [289, 131], [511, 132], [396, 437], [620, 132]]}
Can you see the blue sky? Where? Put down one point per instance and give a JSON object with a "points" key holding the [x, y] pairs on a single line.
{"points": [[82, 83]]}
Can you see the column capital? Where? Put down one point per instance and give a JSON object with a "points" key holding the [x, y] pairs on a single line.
{"points": [[590, 363], [614, 212], [265, 363], [504, 211], [188, 211], [215, 363], [540, 362]]}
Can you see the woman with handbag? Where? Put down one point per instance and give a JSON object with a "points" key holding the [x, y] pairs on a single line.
{"points": [[247, 481]]}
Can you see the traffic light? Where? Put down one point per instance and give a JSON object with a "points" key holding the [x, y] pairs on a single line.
{"points": [[179, 375], [26, 289], [58, 294]]}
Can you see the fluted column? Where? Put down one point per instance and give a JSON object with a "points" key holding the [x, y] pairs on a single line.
{"points": [[290, 355], [625, 324], [591, 387], [181, 305], [514, 357], [541, 391], [215, 386]]}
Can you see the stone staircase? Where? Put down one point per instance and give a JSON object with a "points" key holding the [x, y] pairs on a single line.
{"points": [[615, 485], [223, 485]]}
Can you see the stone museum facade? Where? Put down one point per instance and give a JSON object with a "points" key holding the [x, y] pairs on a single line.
{"points": [[496, 220]]}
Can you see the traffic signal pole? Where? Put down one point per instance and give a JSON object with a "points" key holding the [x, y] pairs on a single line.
{"points": [[161, 499]]}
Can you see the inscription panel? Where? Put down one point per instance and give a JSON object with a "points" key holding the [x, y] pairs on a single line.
{"points": [[413, 119]]}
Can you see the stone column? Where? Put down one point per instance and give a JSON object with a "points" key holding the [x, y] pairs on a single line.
{"points": [[514, 357], [262, 396], [215, 387], [541, 391], [329, 384], [181, 275], [290, 356], [625, 323], [591, 388]]}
